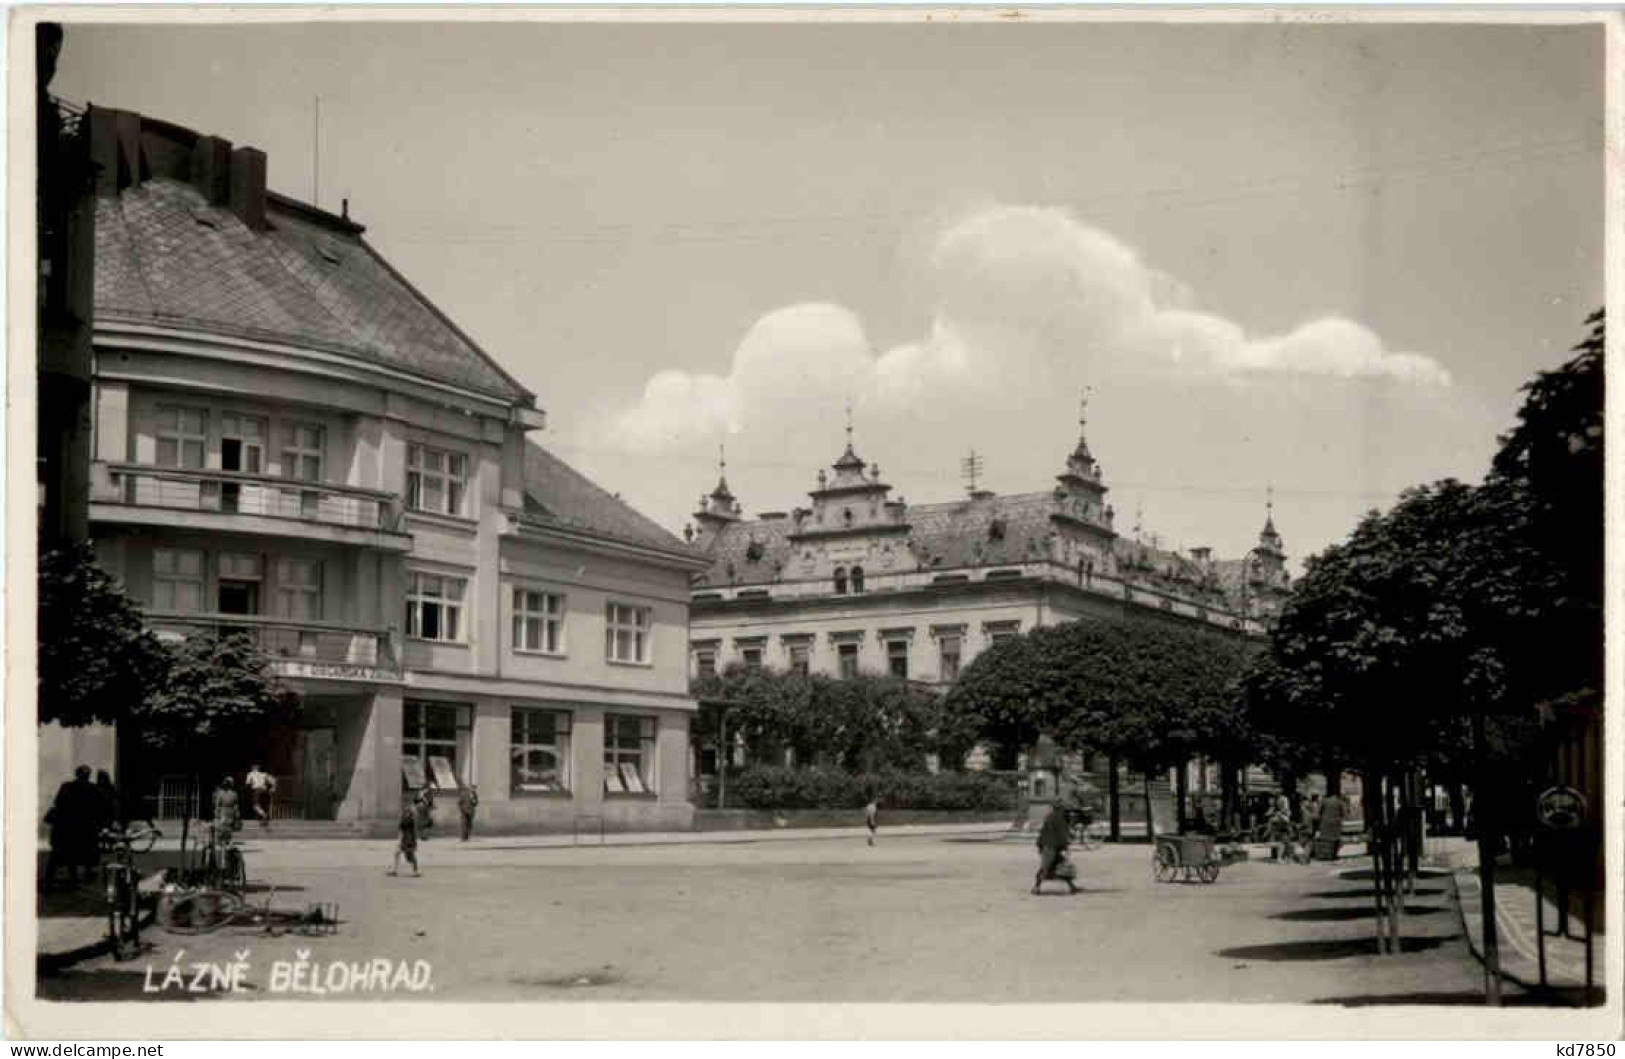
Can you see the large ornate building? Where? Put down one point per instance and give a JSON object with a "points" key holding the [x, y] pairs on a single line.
{"points": [[863, 581], [290, 440]]}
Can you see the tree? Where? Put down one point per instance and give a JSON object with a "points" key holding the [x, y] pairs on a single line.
{"points": [[218, 689], [97, 662]]}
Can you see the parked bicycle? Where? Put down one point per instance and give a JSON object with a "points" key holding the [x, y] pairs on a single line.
{"points": [[220, 863], [121, 882]]}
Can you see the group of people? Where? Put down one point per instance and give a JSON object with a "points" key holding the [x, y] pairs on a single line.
{"points": [[1318, 832], [417, 819], [80, 811]]}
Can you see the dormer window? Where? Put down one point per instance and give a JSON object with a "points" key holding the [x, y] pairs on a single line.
{"points": [[840, 580]]}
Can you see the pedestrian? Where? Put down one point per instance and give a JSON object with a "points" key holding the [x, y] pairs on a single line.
{"points": [[1053, 838], [1280, 828], [1329, 835], [425, 810], [109, 812], [468, 800], [261, 793], [228, 816], [72, 819], [1311, 814], [871, 818], [408, 846]]}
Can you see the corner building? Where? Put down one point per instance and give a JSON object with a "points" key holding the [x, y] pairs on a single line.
{"points": [[290, 440], [860, 581]]}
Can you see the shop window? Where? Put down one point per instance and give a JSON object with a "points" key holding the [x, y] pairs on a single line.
{"points": [[539, 751], [436, 480], [629, 754], [435, 741], [302, 451], [538, 621], [177, 580], [626, 633], [182, 436], [434, 607]]}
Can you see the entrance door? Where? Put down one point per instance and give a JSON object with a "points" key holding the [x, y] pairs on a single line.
{"points": [[320, 773]]}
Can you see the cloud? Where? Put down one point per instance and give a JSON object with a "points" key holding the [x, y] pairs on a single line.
{"points": [[1019, 291]]}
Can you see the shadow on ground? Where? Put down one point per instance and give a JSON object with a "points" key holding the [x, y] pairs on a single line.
{"points": [[1366, 874], [1461, 999], [1327, 949], [1345, 914], [1370, 895]]}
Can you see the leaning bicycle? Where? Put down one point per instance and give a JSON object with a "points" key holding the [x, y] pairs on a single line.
{"points": [[220, 862], [122, 885]]}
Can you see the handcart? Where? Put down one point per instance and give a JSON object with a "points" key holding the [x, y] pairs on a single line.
{"points": [[1193, 855]]}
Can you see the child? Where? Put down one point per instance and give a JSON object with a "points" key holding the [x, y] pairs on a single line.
{"points": [[409, 840]]}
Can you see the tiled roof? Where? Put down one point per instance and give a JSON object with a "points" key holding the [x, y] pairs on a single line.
{"points": [[164, 256], [558, 494]]}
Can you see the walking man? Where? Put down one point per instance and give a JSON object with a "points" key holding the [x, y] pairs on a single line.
{"points": [[1053, 838], [871, 818], [261, 789], [468, 800], [408, 846]]}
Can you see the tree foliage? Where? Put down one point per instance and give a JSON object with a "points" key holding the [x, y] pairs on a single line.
{"points": [[861, 723], [217, 688], [97, 662], [1150, 693]]}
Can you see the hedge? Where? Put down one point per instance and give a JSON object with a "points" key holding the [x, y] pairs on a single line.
{"points": [[770, 787]]}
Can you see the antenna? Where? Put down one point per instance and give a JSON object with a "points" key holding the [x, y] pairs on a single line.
{"points": [[316, 157], [849, 421], [722, 459], [970, 468], [1269, 500], [1083, 407]]}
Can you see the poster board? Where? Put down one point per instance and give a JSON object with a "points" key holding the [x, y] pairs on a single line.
{"points": [[445, 777], [629, 776], [412, 771]]}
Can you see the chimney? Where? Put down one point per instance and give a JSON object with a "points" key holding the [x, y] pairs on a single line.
{"points": [[248, 187], [211, 169]]}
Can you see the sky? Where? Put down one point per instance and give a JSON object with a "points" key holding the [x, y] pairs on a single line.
{"points": [[1313, 263]]}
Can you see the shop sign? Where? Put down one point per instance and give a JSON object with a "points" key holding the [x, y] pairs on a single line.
{"points": [[333, 671], [1560, 808]]}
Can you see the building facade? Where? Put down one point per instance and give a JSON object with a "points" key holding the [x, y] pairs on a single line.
{"points": [[860, 581], [290, 440]]}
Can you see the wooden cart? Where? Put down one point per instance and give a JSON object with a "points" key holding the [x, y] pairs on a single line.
{"points": [[1193, 856]]}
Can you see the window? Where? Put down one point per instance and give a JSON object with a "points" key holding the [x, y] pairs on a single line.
{"points": [[434, 607], [302, 451], [705, 663], [435, 739], [897, 658], [857, 580], [435, 480], [753, 659], [538, 621], [539, 752], [242, 443], [948, 667], [177, 580], [840, 580], [626, 633], [800, 659], [999, 631], [299, 589], [238, 584], [629, 754], [182, 436], [848, 655]]}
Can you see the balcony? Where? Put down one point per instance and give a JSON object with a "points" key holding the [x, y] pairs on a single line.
{"points": [[235, 502], [316, 650]]}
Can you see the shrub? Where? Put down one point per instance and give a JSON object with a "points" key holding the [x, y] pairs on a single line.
{"points": [[772, 787]]}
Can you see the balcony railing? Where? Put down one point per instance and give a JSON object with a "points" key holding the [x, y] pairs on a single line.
{"points": [[315, 644], [234, 492]]}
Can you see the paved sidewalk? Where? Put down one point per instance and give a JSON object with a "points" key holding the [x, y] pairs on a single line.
{"points": [[1518, 936], [72, 923]]}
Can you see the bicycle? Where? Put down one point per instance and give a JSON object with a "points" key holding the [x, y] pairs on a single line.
{"points": [[122, 885], [205, 911], [143, 835], [220, 862]]}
